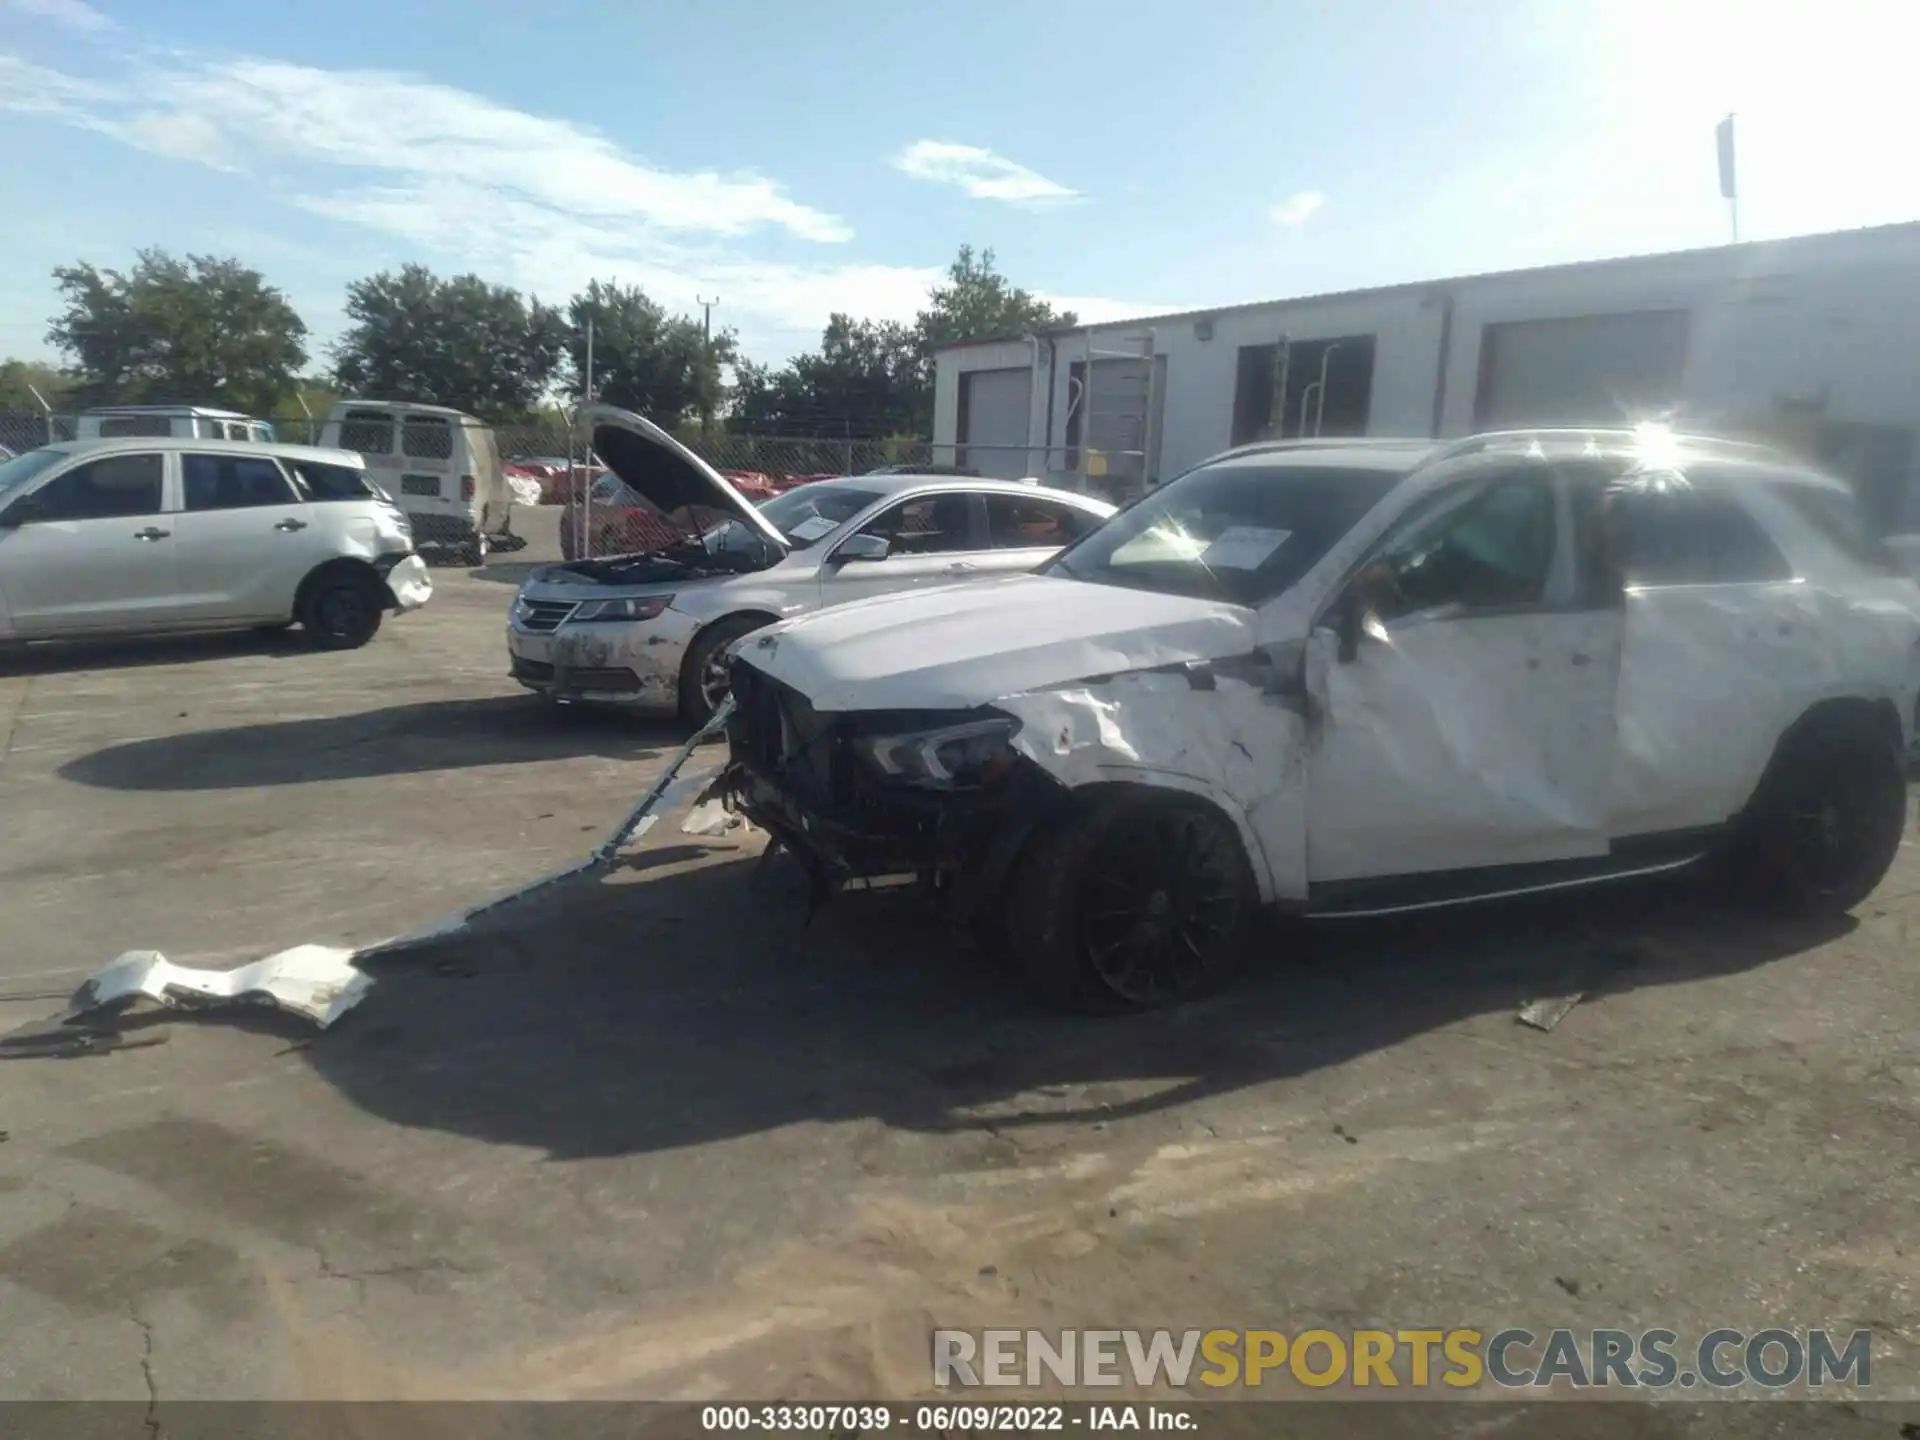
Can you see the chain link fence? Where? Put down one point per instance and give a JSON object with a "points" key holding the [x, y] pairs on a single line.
{"points": [[27, 431], [775, 456]]}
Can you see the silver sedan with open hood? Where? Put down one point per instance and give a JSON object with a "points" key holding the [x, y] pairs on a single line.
{"points": [[652, 630]]}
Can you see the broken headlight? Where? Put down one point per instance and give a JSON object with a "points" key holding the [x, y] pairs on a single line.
{"points": [[644, 608], [953, 757]]}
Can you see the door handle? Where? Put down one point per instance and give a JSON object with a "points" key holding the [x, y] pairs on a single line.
{"points": [[291, 525], [959, 567], [152, 532], [1581, 658]]}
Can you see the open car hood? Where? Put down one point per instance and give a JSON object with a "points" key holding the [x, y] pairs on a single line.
{"points": [[666, 474]]}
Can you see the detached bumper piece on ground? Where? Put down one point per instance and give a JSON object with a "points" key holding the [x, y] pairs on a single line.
{"points": [[320, 983]]}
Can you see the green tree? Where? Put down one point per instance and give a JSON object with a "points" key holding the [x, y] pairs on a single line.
{"points": [[203, 330], [978, 302], [865, 380], [20, 378], [644, 359], [461, 342], [875, 377]]}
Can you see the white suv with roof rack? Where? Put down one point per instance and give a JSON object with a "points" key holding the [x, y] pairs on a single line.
{"points": [[185, 422], [1347, 679], [130, 536]]}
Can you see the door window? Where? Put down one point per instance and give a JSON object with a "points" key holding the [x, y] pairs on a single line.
{"points": [[930, 525], [233, 482], [332, 482], [109, 489], [1682, 535], [1015, 522], [368, 431], [427, 437], [1492, 551]]}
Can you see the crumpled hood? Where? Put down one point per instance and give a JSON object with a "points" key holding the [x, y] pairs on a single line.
{"points": [[665, 473], [959, 646]]}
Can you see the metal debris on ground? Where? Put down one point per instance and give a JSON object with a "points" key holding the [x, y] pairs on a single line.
{"points": [[1546, 1013], [321, 983]]}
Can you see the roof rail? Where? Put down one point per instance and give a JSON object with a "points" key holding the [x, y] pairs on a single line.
{"points": [[1330, 442], [1613, 434]]}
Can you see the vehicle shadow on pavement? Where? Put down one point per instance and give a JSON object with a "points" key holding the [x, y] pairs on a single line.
{"points": [[673, 1008], [63, 657], [398, 740]]}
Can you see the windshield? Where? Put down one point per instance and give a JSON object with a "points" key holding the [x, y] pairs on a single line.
{"points": [[22, 468], [808, 514], [1241, 530]]}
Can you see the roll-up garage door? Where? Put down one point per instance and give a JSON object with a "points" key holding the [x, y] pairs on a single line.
{"points": [[1587, 370]]}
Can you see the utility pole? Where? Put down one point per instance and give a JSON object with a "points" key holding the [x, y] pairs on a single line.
{"points": [[706, 337]]}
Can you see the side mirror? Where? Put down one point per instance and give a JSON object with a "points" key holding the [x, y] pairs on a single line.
{"points": [[862, 547], [22, 511], [1347, 617]]}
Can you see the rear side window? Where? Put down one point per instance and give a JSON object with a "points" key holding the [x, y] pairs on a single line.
{"points": [[1839, 518], [368, 431], [118, 487], [1680, 535], [427, 437], [116, 427], [331, 482], [233, 482], [1016, 523]]}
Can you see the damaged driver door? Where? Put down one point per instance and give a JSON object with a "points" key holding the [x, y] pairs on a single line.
{"points": [[1469, 669]]}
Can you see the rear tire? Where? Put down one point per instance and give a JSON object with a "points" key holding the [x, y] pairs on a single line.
{"points": [[703, 684], [1140, 900], [1826, 820], [342, 611]]}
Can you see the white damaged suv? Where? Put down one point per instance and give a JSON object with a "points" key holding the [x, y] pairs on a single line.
{"points": [[1347, 678]]}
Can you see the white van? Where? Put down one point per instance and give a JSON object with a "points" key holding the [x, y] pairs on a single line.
{"points": [[181, 422], [441, 466]]}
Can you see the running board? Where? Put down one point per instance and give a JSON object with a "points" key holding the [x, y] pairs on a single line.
{"points": [[1630, 859]]}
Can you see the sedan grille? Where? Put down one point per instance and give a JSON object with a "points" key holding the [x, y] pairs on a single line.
{"points": [[544, 615]]}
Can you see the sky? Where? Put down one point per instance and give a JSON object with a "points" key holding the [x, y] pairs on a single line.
{"points": [[1119, 156]]}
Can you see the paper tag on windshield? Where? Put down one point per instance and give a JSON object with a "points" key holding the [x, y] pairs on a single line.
{"points": [[1243, 547], [813, 527]]}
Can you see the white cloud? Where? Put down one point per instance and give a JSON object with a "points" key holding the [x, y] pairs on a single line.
{"points": [[464, 182], [74, 14], [1297, 208], [35, 89], [981, 173]]}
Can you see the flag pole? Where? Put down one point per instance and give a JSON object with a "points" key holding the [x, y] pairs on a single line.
{"points": [[1729, 187]]}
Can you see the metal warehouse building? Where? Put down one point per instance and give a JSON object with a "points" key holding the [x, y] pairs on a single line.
{"points": [[1813, 342]]}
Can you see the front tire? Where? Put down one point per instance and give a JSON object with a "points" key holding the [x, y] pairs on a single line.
{"points": [[342, 611], [1825, 824], [704, 682], [1141, 900]]}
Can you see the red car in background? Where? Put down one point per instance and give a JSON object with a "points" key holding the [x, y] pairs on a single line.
{"points": [[619, 522]]}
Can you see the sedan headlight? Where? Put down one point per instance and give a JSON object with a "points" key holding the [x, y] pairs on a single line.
{"points": [[953, 757], [643, 608]]}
